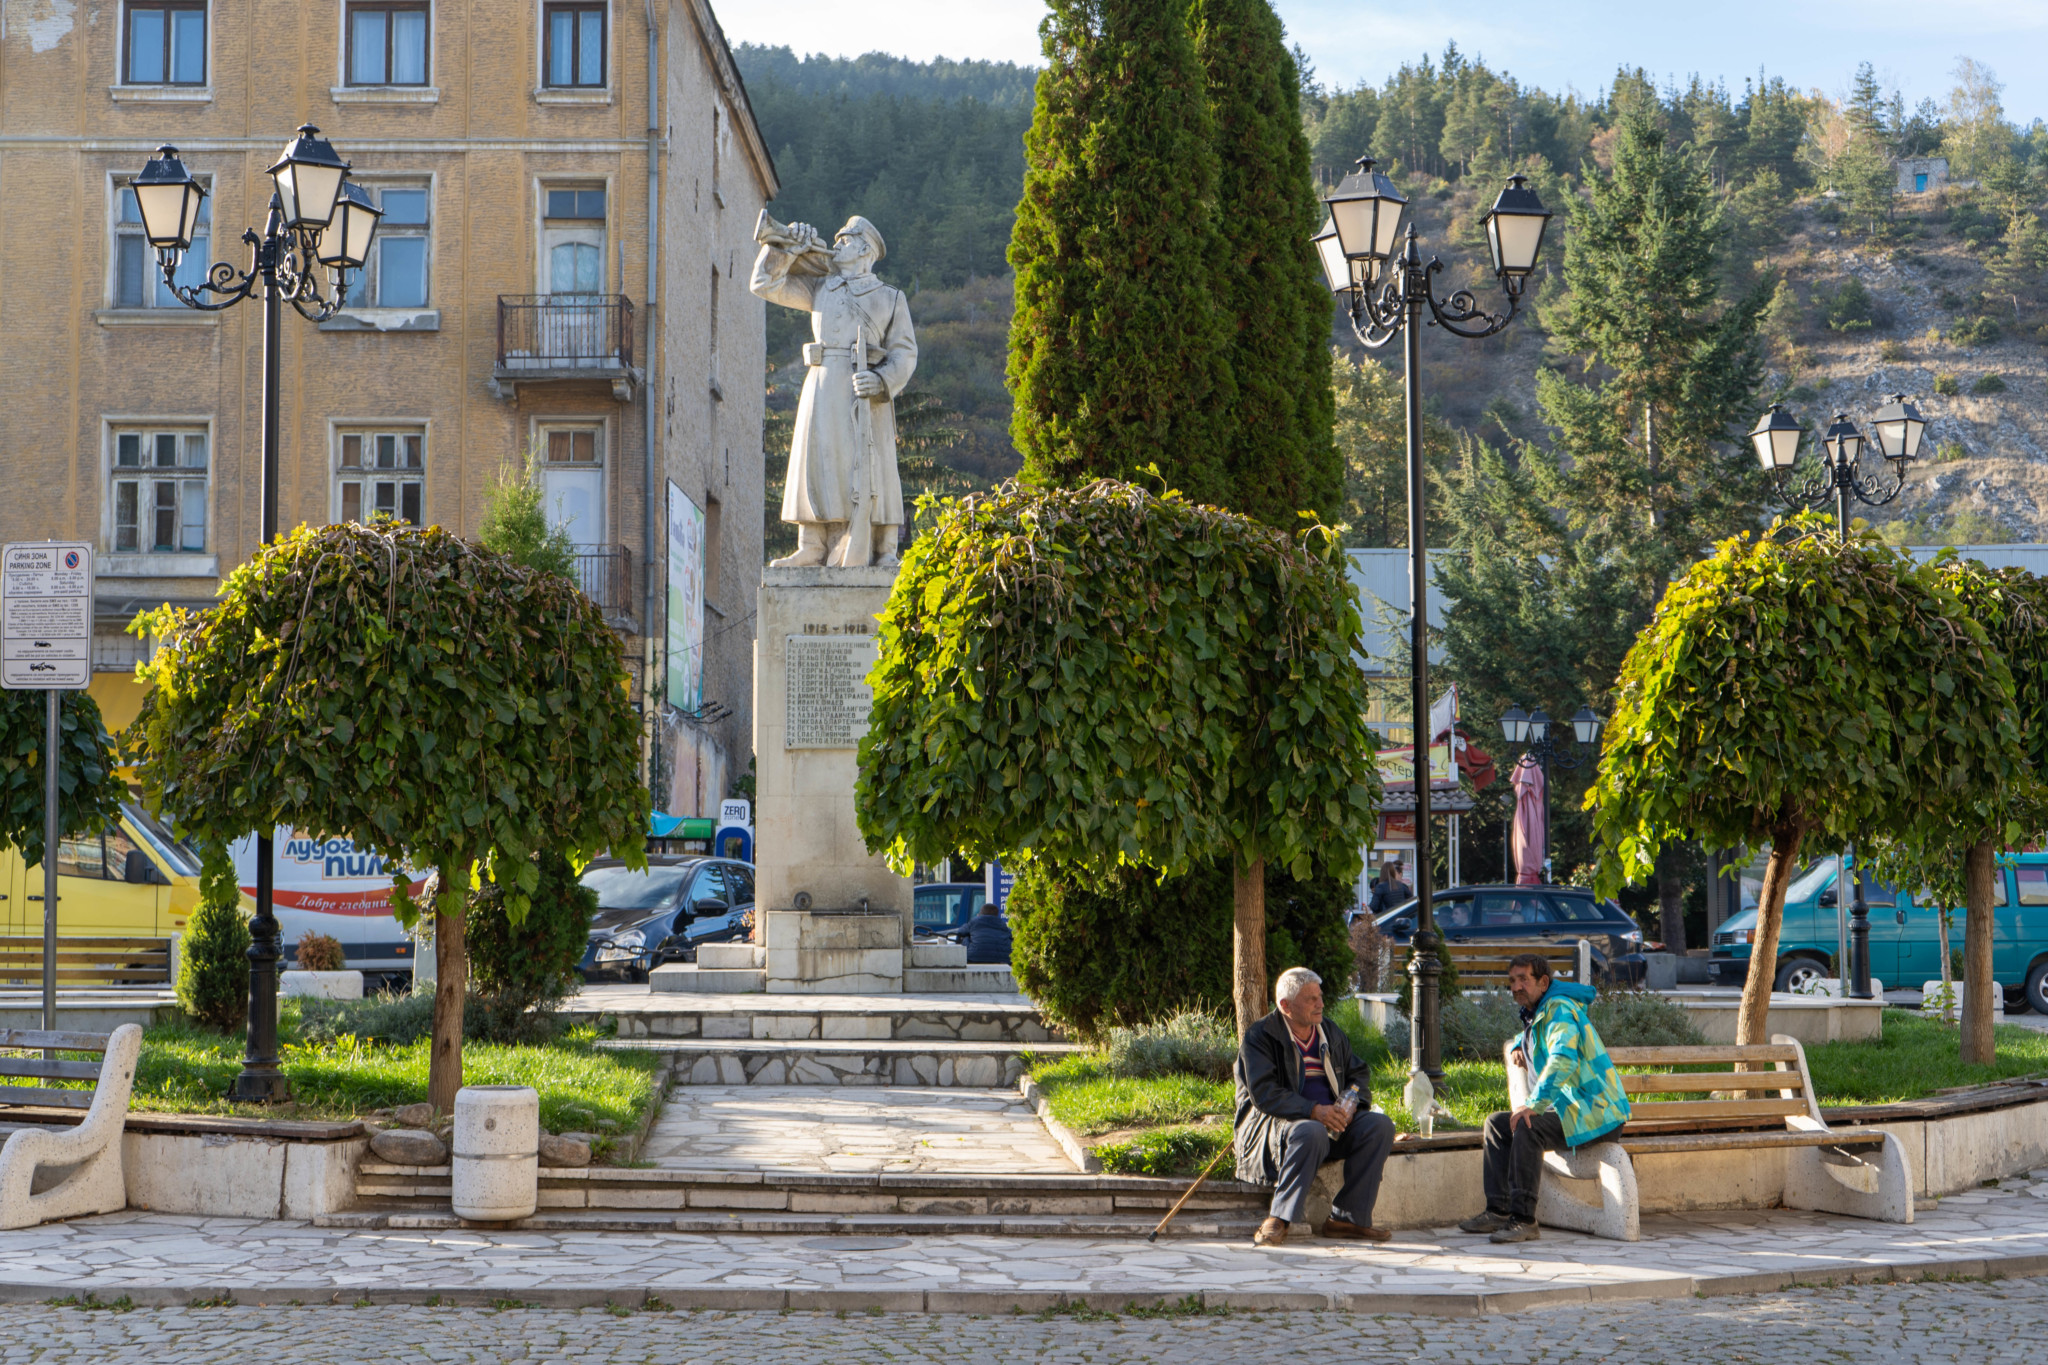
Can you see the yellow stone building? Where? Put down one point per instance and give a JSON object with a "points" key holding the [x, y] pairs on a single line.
{"points": [[530, 156]]}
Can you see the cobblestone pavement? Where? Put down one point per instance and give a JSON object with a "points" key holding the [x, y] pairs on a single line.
{"points": [[165, 1259], [1979, 1322], [851, 1128]]}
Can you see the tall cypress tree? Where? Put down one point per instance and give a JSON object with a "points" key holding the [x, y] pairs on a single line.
{"points": [[1279, 457], [1117, 346]]}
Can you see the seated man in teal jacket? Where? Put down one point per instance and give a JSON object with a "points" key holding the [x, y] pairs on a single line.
{"points": [[1575, 1097]]}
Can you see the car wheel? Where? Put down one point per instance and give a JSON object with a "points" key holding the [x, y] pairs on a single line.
{"points": [[2037, 987], [1798, 973]]}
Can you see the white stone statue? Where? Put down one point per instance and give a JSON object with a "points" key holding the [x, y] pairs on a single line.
{"points": [[843, 492]]}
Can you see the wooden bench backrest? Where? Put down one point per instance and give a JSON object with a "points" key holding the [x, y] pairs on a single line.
{"points": [[1486, 964], [88, 961], [14, 1064], [1776, 1087]]}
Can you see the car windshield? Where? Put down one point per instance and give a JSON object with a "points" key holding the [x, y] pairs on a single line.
{"points": [[182, 857], [621, 888], [1811, 883]]}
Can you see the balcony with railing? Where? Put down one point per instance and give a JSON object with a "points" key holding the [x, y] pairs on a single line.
{"points": [[553, 338], [605, 573]]}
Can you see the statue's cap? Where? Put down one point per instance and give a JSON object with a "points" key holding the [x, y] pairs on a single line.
{"points": [[868, 230]]}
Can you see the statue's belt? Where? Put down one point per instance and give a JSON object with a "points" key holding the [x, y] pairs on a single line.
{"points": [[815, 353]]}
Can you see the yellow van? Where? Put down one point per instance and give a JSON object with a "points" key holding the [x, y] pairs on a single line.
{"points": [[134, 879]]}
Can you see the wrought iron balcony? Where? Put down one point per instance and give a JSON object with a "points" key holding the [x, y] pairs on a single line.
{"points": [[548, 338], [605, 573]]}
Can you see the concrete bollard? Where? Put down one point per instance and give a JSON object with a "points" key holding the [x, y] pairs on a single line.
{"points": [[495, 1167]]}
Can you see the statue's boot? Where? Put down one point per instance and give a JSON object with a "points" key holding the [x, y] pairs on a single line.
{"points": [[885, 546], [810, 548]]}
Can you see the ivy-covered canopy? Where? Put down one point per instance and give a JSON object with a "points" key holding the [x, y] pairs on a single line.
{"points": [[1107, 676], [88, 792]]}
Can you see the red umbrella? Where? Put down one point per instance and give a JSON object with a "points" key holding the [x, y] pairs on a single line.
{"points": [[1528, 830]]}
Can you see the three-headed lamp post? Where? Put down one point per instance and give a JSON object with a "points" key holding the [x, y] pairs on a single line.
{"points": [[1377, 269], [318, 229]]}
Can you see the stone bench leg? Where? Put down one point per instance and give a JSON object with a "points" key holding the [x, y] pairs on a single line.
{"points": [[1322, 1193], [1618, 1212], [1866, 1182], [96, 1183]]}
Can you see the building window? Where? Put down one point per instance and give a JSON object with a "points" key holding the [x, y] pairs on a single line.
{"points": [[396, 276], [138, 283], [572, 44], [572, 482], [382, 475], [387, 42], [167, 43], [159, 486], [573, 241]]}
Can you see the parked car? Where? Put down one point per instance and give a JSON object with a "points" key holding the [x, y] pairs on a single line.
{"points": [[1551, 914], [663, 913], [134, 879], [943, 909], [1905, 933]]}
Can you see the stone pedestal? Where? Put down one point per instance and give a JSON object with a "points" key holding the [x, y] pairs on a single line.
{"points": [[816, 641]]}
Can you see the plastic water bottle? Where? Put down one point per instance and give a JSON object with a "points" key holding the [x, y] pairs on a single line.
{"points": [[1350, 1100]]}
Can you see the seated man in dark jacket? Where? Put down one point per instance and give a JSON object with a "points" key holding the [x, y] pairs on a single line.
{"points": [[1292, 1072], [988, 937]]}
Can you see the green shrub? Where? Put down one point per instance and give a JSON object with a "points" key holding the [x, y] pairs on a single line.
{"points": [[1124, 947], [1947, 385], [1186, 1042], [1850, 308], [1802, 393], [1892, 351], [1642, 1019], [1989, 383], [1479, 1024], [394, 1019], [320, 953], [213, 967], [1949, 450], [1973, 331], [1447, 983], [528, 968], [1368, 1044]]}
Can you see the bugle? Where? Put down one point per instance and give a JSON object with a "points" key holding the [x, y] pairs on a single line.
{"points": [[768, 232]]}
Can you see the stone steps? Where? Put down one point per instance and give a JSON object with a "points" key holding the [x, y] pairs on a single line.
{"points": [[1232, 1226], [881, 1061], [1003, 1017], [963, 979], [712, 978], [687, 978]]}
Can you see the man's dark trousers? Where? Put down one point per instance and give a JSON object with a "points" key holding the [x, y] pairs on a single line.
{"points": [[1363, 1148], [1514, 1161]]}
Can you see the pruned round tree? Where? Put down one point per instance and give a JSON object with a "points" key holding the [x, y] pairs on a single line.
{"points": [[1106, 677], [428, 699], [1799, 691]]}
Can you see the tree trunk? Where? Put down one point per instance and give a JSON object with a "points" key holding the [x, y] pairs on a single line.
{"points": [[1753, 1023], [1979, 873], [1248, 942], [451, 967], [1670, 901]]}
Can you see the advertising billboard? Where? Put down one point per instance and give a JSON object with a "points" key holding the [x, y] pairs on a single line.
{"points": [[685, 656]]}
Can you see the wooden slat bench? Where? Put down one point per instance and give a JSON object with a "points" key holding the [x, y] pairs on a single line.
{"points": [[1861, 1173], [97, 1183], [88, 961], [1484, 966]]}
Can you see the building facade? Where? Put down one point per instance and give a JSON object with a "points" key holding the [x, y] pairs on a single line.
{"points": [[569, 191]]}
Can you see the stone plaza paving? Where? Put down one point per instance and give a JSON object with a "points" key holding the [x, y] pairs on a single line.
{"points": [[165, 1260], [1931, 1323], [895, 1129]]}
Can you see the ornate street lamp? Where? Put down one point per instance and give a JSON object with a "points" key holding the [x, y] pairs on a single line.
{"points": [[1899, 427], [1533, 729], [1379, 272], [319, 225]]}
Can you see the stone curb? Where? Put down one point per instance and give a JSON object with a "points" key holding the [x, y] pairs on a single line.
{"points": [[1451, 1304], [1082, 1156]]}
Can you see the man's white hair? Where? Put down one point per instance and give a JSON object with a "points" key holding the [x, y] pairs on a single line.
{"points": [[1290, 983]]}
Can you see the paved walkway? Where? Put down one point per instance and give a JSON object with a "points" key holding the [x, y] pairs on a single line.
{"points": [[1890, 1324], [160, 1259], [851, 1128]]}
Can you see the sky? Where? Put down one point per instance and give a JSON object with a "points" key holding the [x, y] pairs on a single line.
{"points": [[1555, 44]]}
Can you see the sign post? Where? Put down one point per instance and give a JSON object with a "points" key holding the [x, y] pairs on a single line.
{"points": [[46, 646]]}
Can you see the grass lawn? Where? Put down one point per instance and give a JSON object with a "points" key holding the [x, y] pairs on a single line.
{"points": [[186, 1070], [1173, 1125]]}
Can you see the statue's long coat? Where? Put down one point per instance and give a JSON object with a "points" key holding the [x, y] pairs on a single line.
{"points": [[827, 447]]}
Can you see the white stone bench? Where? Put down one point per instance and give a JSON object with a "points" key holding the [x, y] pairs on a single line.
{"points": [[1862, 1173], [91, 1148]]}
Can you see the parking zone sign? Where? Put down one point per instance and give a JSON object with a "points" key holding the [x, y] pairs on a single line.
{"points": [[46, 615]]}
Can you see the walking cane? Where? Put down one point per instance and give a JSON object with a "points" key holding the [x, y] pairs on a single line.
{"points": [[1216, 1161]]}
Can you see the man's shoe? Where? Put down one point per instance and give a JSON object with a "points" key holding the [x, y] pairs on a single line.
{"points": [[1271, 1233], [1488, 1221], [1518, 1231], [1350, 1231]]}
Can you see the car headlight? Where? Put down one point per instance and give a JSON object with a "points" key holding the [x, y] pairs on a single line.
{"points": [[1633, 939], [632, 938]]}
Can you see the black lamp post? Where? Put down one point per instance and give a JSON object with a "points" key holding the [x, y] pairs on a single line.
{"points": [[1840, 478], [318, 223], [1532, 729], [1379, 270]]}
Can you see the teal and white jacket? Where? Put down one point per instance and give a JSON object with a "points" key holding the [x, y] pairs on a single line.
{"points": [[1571, 1073]]}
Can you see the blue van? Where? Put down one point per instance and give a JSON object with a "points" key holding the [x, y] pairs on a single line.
{"points": [[1905, 934]]}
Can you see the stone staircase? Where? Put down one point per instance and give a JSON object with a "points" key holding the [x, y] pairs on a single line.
{"points": [[742, 968], [599, 1198]]}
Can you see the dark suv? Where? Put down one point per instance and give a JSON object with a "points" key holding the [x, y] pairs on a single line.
{"points": [[1553, 914], [661, 914]]}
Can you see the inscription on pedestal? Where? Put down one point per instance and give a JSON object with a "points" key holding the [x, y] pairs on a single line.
{"points": [[826, 690]]}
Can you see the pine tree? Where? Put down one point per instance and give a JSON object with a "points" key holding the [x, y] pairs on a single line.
{"points": [[213, 971], [515, 520], [1117, 346], [1278, 456]]}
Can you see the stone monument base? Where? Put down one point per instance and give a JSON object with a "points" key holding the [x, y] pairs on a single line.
{"points": [[834, 952]]}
